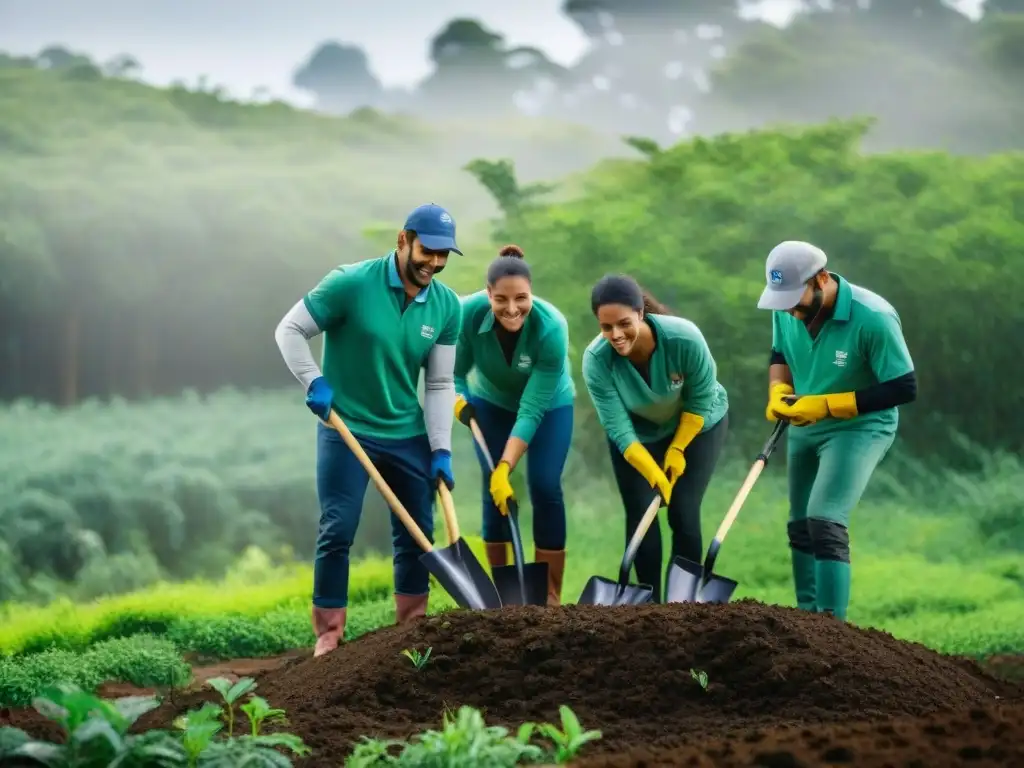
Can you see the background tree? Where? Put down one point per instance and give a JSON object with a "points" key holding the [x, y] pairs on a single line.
{"points": [[339, 77]]}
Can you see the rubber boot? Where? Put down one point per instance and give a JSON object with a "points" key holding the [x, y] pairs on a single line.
{"points": [[804, 579], [329, 626], [410, 607], [555, 558], [833, 579], [497, 553]]}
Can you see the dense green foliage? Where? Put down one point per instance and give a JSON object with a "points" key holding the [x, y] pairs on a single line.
{"points": [[151, 239], [941, 237]]}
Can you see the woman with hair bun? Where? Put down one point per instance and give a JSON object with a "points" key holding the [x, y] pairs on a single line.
{"points": [[512, 376], [654, 384]]}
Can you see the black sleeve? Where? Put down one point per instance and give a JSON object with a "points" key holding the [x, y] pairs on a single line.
{"points": [[777, 358], [888, 394]]}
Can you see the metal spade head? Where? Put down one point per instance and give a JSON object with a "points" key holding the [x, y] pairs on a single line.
{"points": [[535, 581], [602, 591], [520, 583], [462, 576], [683, 584]]}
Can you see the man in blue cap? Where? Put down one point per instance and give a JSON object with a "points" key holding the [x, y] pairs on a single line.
{"points": [[383, 321], [839, 369]]}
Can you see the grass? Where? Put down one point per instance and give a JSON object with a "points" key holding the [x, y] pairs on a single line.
{"points": [[932, 561]]}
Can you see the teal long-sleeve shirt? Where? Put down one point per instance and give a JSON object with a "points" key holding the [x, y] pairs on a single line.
{"points": [[535, 381], [684, 379]]}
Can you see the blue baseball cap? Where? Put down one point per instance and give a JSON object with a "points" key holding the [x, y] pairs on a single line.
{"points": [[435, 228]]}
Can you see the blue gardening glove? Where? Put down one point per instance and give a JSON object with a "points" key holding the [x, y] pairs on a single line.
{"points": [[319, 397], [441, 467]]}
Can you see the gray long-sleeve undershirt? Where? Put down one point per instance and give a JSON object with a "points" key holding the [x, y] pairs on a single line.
{"points": [[297, 327]]}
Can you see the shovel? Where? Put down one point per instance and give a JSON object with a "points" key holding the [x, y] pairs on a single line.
{"points": [[521, 583], [689, 582], [602, 591], [455, 566]]}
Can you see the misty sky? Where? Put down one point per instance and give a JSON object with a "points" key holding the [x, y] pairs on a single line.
{"points": [[244, 44]]}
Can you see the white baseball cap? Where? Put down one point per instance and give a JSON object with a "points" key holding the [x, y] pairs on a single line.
{"points": [[789, 266]]}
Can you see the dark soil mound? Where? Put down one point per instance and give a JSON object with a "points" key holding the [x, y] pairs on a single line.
{"points": [[986, 737], [624, 670]]}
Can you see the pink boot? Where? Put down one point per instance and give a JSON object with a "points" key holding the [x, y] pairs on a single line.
{"points": [[409, 607], [329, 626]]}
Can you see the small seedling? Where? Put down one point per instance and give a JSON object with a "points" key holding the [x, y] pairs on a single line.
{"points": [[419, 660], [231, 693], [700, 676], [571, 739]]}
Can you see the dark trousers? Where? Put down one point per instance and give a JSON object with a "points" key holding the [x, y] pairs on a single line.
{"points": [[341, 485], [684, 509], [545, 461]]}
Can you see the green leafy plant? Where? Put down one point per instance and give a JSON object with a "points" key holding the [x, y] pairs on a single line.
{"points": [[419, 660], [96, 733], [464, 741], [700, 676], [571, 738], [200, 728]]}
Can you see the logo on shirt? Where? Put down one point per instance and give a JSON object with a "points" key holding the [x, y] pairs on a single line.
{"points": [[426, 331], [840, 361], [524, 362], [775, 276], [676, 380]]}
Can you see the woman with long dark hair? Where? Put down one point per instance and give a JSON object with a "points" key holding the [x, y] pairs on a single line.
{"points": [[654, 384], [512, 376]]}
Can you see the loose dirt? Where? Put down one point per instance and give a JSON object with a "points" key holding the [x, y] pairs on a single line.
{"points": [[628, 671], [774, 676]]}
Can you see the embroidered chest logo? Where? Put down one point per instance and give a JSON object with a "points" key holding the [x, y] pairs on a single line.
{"points": [[524, 363], [840, 361], [676, 380], [426, 331]]}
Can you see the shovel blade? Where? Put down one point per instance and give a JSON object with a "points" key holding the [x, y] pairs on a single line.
{"points": [[462, 576], [683, 584], [535, 577], [602, 591]]}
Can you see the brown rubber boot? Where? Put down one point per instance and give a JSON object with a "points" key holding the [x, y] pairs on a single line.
{"points": [[409, 607], [497, 553], [329, 626], [555, 558]]}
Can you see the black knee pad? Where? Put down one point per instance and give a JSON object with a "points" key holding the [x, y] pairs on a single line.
{"points": [[800, 536], [829, 540]]}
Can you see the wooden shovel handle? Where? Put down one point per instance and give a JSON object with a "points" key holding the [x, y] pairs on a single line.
{"points": [[478, 436], [396, 506], [451, 523], [748, 484], [638, 535]]}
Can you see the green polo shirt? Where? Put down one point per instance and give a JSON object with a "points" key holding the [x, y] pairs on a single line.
{"points": [[375, 343], [684, 378], [861, 345], [537, 380]]}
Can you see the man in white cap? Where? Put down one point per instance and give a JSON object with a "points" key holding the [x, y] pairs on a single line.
{"points": [[839, 368]]}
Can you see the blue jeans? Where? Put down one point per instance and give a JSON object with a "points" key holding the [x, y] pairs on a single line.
{"points": [[545, 461], [341, 485]]}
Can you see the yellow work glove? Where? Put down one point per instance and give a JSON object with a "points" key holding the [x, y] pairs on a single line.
{"points": [[641, 460], [463, 410], [690, 425], [776, 397], [808, 409], [501, 488]]}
